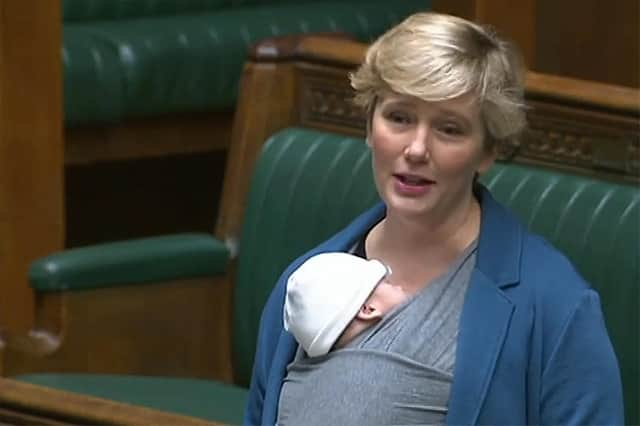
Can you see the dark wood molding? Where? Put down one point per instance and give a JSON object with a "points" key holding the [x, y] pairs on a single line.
{"points": [[145, 138], [335, 49], [286, 48]]}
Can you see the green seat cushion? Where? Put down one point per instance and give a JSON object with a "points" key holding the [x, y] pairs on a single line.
{"points": [[308, 184], [192, 397], [189, 63], [130, 262]]}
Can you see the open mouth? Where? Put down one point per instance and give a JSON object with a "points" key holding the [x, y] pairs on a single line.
{"points": [[412, 180]]}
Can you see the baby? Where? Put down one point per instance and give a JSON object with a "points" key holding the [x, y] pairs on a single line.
{"points": [[333, 297]]}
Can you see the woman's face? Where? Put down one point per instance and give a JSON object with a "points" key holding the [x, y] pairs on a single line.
{"points": [[425, 154]]}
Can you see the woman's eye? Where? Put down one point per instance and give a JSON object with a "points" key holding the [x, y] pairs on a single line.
{"points": [[451, 129], [399, 118]]}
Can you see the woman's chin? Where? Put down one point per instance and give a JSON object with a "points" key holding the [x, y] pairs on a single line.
{"points": [[410, 207]]}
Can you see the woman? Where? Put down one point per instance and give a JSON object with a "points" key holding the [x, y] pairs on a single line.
{"points": [[499, 327]]}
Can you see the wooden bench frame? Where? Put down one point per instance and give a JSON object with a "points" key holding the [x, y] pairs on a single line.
{"points": [[35, 148]]}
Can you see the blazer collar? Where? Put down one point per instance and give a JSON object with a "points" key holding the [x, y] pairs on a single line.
{"points": [[500, 242]]}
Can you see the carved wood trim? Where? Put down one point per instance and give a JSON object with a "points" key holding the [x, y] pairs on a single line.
{"points": [[575, 126], [580, 141], [326, 103]]}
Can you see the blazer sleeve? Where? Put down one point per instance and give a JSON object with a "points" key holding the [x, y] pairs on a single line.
{"points": [[268, 336], [581, 382], [255, 400]]}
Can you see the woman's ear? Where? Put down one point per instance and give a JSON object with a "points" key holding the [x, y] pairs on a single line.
{"points": [[369, 312]]}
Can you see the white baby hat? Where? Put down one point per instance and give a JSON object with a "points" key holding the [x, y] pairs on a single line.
{"points": [[324, 294]]}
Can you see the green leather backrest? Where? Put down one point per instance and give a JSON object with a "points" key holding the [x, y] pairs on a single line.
{"points": [[93, 80], [153, 66], [307, 185], [103, 10], [88, 10]]}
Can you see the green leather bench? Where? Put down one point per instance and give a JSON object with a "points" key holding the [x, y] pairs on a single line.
{"points": [[307, 185], [139, 58]]}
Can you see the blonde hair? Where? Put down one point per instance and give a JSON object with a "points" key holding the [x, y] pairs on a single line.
{"points": [[437, 57]]}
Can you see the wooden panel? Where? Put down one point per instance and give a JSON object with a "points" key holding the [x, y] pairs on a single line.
{"points": [[179, 329], [586, 39], [590, 39], [463, 8], [22, 403], [149, 138], [515, 20], [31, 151], [155, 196], [265, 105]]}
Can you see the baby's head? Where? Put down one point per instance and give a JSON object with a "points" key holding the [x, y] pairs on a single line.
{"points": [[333, 297]]}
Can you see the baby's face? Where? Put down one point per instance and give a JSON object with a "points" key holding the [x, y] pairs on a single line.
{"points": [[386, 296]]}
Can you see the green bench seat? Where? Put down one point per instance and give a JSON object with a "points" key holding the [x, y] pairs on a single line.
{"points": [[140, 62], [308, 184]]}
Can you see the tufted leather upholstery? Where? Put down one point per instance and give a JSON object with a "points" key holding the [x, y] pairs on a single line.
{"points": [[103, 10], [293, 205], [158, 65], [99, 10], [93, 82]]}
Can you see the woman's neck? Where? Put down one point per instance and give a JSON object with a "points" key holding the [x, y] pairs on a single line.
{"points": [[456, 230], [418, 249]]}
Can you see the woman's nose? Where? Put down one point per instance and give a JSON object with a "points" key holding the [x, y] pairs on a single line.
{"points": [[417, 150]]}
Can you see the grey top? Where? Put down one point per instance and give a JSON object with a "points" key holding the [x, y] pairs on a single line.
{"points": [[398, 372]]}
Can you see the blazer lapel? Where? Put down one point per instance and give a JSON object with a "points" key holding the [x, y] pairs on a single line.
{"points": [[483, 329], [285, 352], [487, 311]]}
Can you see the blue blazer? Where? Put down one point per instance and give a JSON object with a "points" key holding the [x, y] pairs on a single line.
{"points": [[532, 347]]}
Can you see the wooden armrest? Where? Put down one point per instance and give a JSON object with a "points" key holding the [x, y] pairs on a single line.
{"points": [[22, 403]]}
